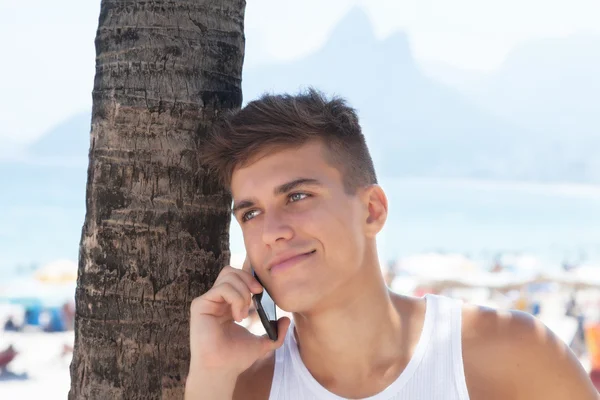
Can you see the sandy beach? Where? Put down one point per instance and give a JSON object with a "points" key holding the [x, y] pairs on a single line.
{"points": [[39, 370]]}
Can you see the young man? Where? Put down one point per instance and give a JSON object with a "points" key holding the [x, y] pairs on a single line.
{"points": [[306, 196]]}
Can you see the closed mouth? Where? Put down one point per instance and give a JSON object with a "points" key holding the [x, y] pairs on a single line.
{"points": [[283, 262]]}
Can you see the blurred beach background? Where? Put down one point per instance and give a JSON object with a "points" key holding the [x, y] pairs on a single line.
{"points": [[483, 120]]}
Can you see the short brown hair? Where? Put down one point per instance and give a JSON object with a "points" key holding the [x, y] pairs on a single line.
{"points": [[280, 121]]}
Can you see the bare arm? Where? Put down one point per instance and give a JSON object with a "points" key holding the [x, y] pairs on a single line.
{"points": [[512, 355], [207, 385], [544, 366]]}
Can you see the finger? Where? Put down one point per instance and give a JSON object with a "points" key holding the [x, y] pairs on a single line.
{"points": [[242, 287], [217, 309], [224, 292], [224, 272], [283, 325], [253, 285]]}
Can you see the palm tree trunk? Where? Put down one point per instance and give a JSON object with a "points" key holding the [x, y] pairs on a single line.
{"points": [[156, 231]]}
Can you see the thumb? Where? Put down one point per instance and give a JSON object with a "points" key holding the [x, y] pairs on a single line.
{"points": [[283, 325]]}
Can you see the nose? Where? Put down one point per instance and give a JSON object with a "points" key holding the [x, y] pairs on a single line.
{"points": [[275, 228]]}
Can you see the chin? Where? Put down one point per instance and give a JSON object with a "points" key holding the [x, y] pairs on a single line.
{"points": [[298, 301]]}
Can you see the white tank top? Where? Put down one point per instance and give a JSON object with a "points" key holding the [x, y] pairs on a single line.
{"points": [[435, 370]]}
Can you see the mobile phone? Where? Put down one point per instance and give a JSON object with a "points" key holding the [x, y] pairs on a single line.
{"points": [[265, 307]]}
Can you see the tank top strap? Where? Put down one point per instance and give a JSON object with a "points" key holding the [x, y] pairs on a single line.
{"points": [[447, 342], [457, 354]]}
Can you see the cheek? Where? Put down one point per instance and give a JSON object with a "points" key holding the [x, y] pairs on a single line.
{"points": [[252, 240], [337, 229], [352, 238], [322, 223]]}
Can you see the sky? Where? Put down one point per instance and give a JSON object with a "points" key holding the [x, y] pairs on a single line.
{"points": [[47, 67]]}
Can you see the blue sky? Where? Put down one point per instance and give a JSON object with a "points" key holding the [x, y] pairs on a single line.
{"points": [[47, 67]]}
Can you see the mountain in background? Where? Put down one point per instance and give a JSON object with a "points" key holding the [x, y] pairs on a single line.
{"points": [[65, 144], [42, 206], [53, 171], [536, 119], [550, 87], [419, 126], [415, 126]]}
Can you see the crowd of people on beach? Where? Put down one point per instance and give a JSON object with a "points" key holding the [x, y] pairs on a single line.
{"points": [[34, 321]]}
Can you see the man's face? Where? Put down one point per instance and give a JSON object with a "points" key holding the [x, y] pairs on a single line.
{"points": [[292, 204]]}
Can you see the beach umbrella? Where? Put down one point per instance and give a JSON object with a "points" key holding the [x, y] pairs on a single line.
{"points": [[438, 267], [61, 271]]}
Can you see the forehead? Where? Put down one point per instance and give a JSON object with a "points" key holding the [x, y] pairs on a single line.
{"points": [[280, 166]]}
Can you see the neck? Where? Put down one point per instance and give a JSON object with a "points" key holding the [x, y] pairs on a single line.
{"points": [[356, 333]]}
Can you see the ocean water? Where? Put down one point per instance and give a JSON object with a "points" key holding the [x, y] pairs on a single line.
{"points": [[481, 219], [554, 222]]}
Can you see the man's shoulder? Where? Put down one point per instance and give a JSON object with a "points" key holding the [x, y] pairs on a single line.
{"points": [[506, 334], [509, 353], [255, 382], [483, 325]]}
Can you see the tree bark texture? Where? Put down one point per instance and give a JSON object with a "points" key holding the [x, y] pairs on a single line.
{"points": [[156, 230]]}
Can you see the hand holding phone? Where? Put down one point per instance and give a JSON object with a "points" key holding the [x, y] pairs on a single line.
{"points": [[219, 344]]}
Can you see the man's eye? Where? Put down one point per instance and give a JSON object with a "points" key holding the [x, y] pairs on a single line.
{"points": [[297, 196], [249, 215]]}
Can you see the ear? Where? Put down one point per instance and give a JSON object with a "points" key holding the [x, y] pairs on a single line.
{"points": [[376, 209]]}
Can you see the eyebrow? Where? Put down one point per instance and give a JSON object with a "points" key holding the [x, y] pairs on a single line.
{"points": [[279, 190]]}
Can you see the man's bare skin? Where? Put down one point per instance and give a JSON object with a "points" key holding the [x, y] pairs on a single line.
{"points": [[294, 201], [507, 355]]}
